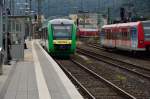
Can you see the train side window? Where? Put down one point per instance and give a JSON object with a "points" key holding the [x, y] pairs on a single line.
{"points": [[113, 35], [121, 35], [118, 36], [110, 35], [125, 35], [128, 35], [104, 34], [107, 35]]}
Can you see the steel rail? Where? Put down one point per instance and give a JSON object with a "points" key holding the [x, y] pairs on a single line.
{"points": [[84, 90], [114, 64], [137, 66], [119, 90]]}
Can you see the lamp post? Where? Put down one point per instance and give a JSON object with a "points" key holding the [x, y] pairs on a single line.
{"points": [[98, 13], [1, 10], [6, 31], [1, 7], [30, 31], [108, 15]]}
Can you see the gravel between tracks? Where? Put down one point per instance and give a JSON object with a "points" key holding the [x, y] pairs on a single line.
{"points": [[124, 80], [95, 86], [126, 58]]}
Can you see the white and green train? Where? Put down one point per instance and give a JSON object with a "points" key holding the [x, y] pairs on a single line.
{"points": [[59, 37]]}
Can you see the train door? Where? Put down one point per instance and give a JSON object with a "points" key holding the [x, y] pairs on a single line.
{"points": [[102, 37], [114, 36], [134, 38]]}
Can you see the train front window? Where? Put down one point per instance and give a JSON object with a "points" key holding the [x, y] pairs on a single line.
{"points": [[62, 32]]}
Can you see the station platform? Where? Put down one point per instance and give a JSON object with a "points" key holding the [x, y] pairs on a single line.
{"points": [[36, 77]]}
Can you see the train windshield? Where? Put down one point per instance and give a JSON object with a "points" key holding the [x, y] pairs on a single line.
{"points": [[62, 32], [146, 26]]}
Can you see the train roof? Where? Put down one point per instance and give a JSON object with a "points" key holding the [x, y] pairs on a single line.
{"points": [[130, 24], [148, 21], [60, 21]]}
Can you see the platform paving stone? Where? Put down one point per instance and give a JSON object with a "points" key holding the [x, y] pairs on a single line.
{"points": [[56, 88], [23, 81], [23, 84]]}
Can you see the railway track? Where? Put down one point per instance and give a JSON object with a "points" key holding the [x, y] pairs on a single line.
{"points": [[138, 70], [138, 55], [96, 46], [92, 85]]}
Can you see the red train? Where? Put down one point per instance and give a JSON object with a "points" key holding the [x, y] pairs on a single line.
{"points": [[134, 36], [88, 32]]}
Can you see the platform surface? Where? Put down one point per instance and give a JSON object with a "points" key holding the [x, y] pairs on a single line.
{"points": [[37, 77]]}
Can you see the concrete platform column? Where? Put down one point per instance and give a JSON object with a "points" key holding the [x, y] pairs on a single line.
{"points": [[1, 39], [1, 61]]}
